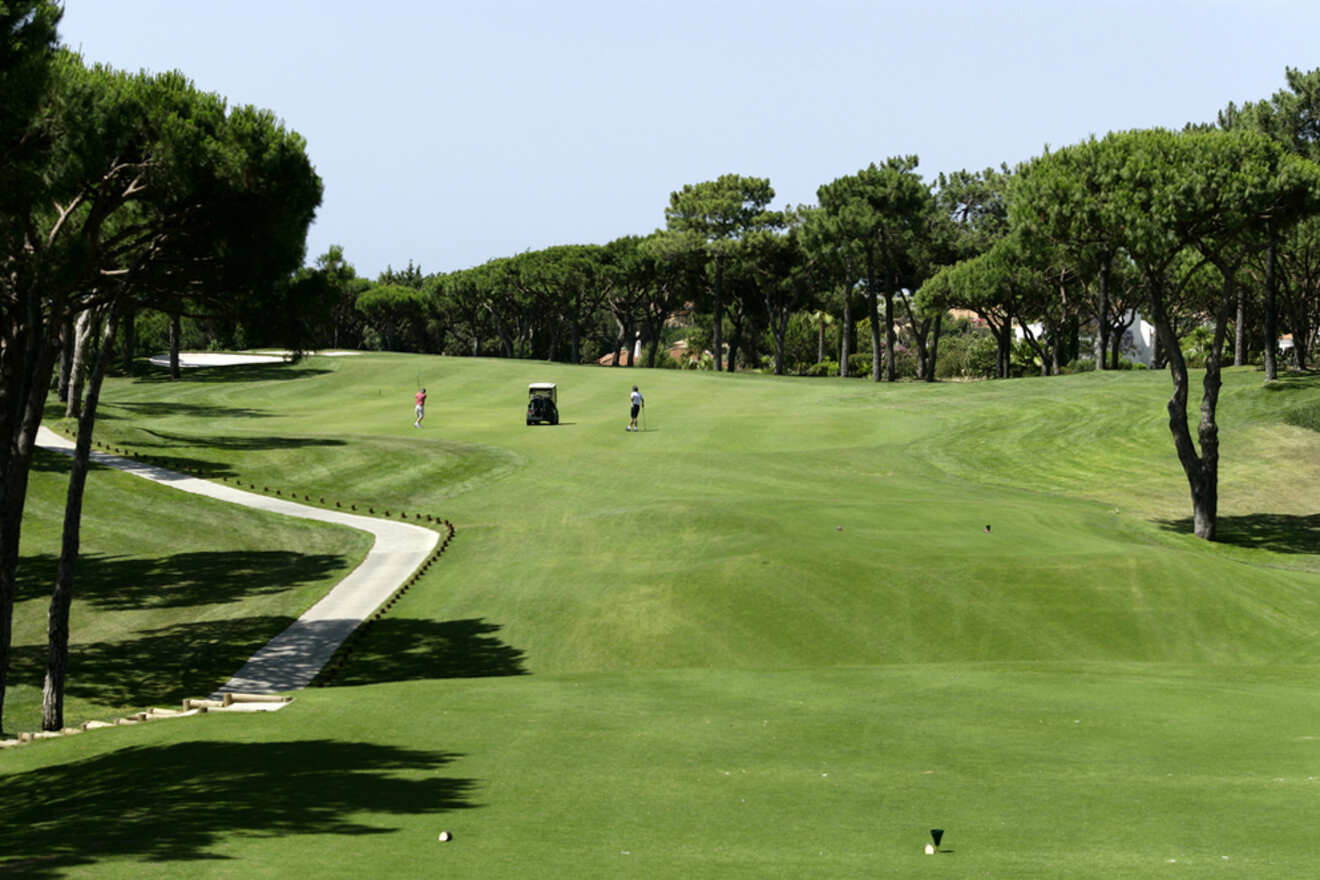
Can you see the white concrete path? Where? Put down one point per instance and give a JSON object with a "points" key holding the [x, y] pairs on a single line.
{"points": [[293, 658]]}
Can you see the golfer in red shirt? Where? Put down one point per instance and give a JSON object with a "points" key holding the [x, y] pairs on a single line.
{"points": [[420, 409]]}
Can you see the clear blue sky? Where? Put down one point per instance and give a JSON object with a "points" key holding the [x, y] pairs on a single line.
{"points": [[449, 133]]}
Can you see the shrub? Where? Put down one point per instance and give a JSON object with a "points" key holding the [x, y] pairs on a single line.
{"points": [[905, 363], [824, 368], [966, 356], [1080, 365]]}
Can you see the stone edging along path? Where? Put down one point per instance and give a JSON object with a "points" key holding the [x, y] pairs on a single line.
{"points": [[294, 658]]}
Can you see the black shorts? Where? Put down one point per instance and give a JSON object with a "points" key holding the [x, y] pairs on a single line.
{"points": [[635, 410]]}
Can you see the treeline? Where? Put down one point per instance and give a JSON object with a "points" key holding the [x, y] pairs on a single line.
{"points": [[123, 198], [1043, 272]]}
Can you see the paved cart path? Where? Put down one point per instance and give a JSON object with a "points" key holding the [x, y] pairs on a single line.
{"points": [[293, 658]]}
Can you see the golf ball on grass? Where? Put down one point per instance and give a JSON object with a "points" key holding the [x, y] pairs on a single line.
{"points": [[930, 849], [445, 837]]}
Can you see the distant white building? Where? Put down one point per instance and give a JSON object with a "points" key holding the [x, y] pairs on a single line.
{"points": [[1138, 339]]}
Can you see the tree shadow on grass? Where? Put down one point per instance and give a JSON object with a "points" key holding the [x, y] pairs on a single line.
{"points": [[182, 802], [399, 649], [192, 410], [120, 583], [267, 372], [1280, 533], [49, 461], [158, 667], [1291, 381], [165, 440]]}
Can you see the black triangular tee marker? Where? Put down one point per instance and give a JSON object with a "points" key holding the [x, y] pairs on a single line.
{"points": [[937, 834]]}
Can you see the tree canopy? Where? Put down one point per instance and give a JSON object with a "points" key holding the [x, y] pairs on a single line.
{"points": [[150, 190]]}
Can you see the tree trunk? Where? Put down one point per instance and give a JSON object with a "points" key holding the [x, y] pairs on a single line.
{"points": [[717, 311], [1202, 471], [28, 359], [1004, 348], [1056, 342], [890, 370], [653, 346], [128, 338], [923, 355], [735, 342], [82, 336], [780, 328], [618, 342], [57, 661], [845, 333], [877, 350], [934, 348], [1271, 316], [67, 334], [1102, 319], [1240, 329], [176, 331], [506, 339], [652, 324]]}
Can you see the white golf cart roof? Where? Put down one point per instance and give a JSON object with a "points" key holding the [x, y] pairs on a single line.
{"points": [[544, 388]]}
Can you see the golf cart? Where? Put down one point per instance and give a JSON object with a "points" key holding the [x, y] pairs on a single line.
{"points": [[542, 403]]}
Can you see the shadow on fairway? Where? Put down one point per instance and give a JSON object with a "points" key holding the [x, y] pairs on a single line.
{"points": [[1281, 533], [1291, 381], [119, 583], [159, 667], [233, 373], [398, 649], [182, 802], [212, 442], [192, 410], [46, 461], [57, 462]]}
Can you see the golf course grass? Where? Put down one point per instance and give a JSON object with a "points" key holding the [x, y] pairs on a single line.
{"points": [[769, 636]]}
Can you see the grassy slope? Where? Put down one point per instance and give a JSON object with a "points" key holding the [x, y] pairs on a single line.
{"points": [[725, 683], [172, 593]]}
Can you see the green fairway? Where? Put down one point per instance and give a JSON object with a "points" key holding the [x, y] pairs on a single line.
{"points": [[768, 636]]}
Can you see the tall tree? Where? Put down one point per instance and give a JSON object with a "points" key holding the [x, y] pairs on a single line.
{"points": [[1291, 117], [152, 188], [27, 55], [344, 286], [396, 314], [633, 274], [1080, 182], [712, 218], [783, 272], [834, 254], [567, 283], [675, 275], [1208, 192], [57, 637], [881, 211]]}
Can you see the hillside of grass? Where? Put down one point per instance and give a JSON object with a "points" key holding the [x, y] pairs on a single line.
{"points": [[172, 593], [768, 636]]}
